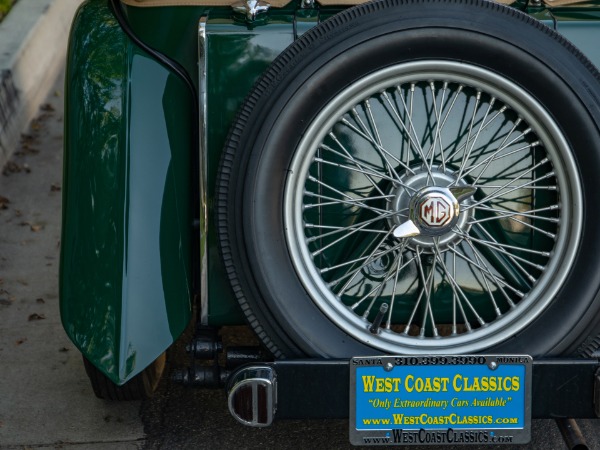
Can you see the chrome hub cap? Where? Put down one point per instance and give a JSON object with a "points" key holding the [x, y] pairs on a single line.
{"points": [[435, 211], [429, 200]]}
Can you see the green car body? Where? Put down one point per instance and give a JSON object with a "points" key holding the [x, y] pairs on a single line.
{"points": [[135, 253]]}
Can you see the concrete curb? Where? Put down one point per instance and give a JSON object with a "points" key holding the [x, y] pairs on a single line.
{"points": [[33, 44]]}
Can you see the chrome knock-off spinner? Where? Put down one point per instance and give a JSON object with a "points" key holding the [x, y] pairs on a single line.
{"points": [[434, 209]]}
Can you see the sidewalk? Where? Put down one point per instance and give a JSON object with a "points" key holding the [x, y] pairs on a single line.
{"points": [[33, 43], [46, 401], [45, 398]]}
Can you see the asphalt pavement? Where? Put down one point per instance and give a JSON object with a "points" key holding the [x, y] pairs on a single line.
{"points": [[45, 398]]}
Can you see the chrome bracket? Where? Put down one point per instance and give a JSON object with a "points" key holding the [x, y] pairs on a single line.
{"points": [[251, 9]]}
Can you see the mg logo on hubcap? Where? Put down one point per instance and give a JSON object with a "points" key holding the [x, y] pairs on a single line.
{"points": [[436, 211]]}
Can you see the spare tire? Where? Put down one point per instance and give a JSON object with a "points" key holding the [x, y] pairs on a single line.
{"points": [[438, 157]]}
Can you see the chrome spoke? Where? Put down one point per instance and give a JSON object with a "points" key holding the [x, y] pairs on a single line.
{"points": [[428, 289], [486, 270], [357, 260], [377, 141], [533, 227], [526, 224], [457, 294], [414, 141], [367, 261], [529, 147], [496, 156], [338, 229], [407, 114], [467, 156], [507, 188], [349, 200], [422, 293], [483, 267], [514, 259], [499, 113], [377, 291], [337, 241], [438, 125], [382, 151], [504, 214], [498, 246], [528, 187], [359, 164], [367, 171], [457, 287], [335, 201], [355, 169]]}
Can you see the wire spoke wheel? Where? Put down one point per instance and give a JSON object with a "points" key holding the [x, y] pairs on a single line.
{"points": [[418, 178], [442, 191]]}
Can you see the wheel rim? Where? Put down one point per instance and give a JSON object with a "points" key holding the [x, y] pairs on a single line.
{"points": [[442, 190]]}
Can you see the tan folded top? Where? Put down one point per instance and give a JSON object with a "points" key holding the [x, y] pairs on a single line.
{"points": [[563, 2], [280, 3], [273, 3]]}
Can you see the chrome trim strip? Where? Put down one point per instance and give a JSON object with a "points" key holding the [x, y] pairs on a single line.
{"points": [[203, 171]]}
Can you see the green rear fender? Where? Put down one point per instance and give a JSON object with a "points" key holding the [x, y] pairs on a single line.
{"points": [[125, 279]]}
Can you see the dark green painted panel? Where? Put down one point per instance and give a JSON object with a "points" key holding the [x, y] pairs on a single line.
{"points": [[237, 55], [582, 28], [125, 257]]}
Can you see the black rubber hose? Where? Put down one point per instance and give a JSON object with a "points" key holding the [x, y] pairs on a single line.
{"points": [[169, 63]]}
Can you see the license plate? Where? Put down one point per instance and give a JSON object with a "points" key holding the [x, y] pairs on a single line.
{"points": [[440, 400]]}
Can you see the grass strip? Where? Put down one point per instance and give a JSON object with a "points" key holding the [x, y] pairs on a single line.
{"points": [[5, 6]]}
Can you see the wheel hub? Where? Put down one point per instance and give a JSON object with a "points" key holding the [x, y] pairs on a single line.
{"points": [[429, 199], [434, 210]]}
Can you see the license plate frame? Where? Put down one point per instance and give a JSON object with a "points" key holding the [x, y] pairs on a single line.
{"points": [[440, 400]]}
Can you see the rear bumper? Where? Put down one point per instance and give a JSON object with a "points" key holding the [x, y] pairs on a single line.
{"points": [[319, 389]]}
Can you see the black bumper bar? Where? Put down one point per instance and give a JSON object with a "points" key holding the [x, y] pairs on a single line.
{"points": [[318, 389]]}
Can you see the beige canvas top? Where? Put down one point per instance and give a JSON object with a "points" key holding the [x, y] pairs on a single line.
{"points": [[274, 3], [563, 2], [280, 3]]}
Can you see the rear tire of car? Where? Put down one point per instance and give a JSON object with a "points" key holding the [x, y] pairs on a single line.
{"points": [[140, 387], [521, 70]]}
